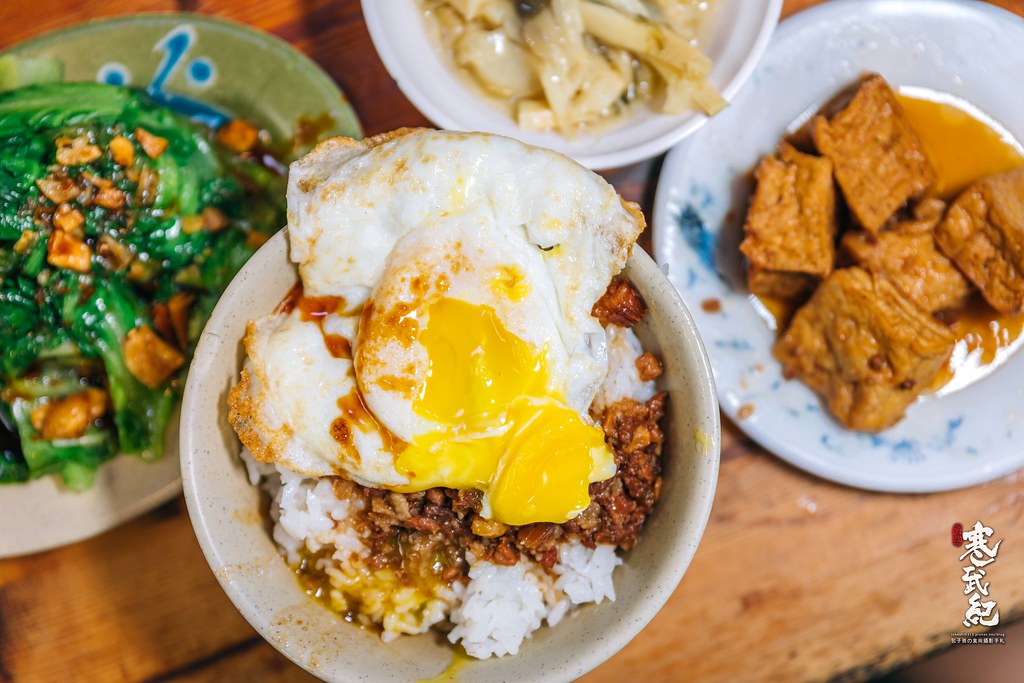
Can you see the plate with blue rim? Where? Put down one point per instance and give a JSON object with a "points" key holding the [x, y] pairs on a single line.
{"points": [[947, 440], [211, 70]]}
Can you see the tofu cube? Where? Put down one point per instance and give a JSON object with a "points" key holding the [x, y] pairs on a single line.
{"points": [[906, 254], [865, 348], [789, 232], [879, 161], [983, 233]]}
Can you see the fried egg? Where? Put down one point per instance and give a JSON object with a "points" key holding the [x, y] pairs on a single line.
{"points": [[444, 336]]}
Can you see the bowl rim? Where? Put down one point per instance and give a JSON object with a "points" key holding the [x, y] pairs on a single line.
{"points": [[421, 95], [652, 600]]}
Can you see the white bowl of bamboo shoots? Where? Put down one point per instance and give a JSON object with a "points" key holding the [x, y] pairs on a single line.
{"points": [[607, 82]]}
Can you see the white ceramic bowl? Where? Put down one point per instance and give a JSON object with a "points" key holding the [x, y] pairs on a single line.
{"points": [[227, 515], [741, 32]]}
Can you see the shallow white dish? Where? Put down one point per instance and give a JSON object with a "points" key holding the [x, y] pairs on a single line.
{"points": [[969, 49], [738, 38], [42, 513]]}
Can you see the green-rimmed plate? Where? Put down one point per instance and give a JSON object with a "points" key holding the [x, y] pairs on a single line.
{"points": [[208, 68]]}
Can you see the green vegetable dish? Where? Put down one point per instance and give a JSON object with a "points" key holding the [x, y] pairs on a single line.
{"points": [[121, 222]]}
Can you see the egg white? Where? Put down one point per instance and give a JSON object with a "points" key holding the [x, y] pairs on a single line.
{"points": [[470, 261], [364, 217], [288, 400]]}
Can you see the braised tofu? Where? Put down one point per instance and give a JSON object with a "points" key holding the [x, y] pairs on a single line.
{"points": [[879, 161], [864, 347], [790, 226], [983, 232], [906, 254]]}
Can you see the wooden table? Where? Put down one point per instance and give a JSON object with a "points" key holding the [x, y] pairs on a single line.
{"points": [[797, 579]]}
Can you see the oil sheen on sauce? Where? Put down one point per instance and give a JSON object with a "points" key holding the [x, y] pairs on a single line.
{"points": [[964, 145]]}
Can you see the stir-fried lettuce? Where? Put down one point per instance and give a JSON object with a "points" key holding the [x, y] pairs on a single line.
{"points": [[121, 222]]}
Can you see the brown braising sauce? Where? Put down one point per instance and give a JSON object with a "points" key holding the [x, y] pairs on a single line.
{"points": [[312, 579], [355, 413], [338, 346], [961, 146], [711, 305], [317, 584], [775, 312], [315, 309], [290, 299], [964, 147], [984, 339]]}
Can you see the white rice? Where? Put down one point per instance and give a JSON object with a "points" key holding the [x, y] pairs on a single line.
{"points": [[500, 606], [623, 379], [584, 574]]}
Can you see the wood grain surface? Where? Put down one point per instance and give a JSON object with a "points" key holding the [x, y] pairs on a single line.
{"points": [[796, 579]]}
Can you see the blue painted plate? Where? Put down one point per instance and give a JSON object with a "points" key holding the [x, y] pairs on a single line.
{"points": [[955, 438]]}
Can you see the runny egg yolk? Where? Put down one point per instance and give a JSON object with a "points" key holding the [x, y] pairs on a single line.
{"points": [[505, 432]]}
